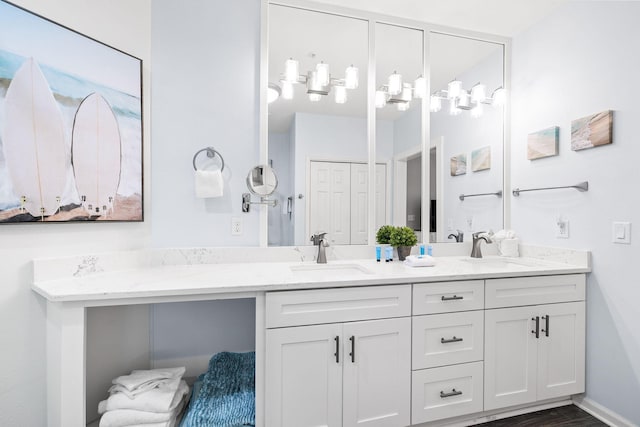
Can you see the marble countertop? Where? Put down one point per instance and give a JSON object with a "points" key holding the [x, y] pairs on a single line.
{"points": [[151, 280]]}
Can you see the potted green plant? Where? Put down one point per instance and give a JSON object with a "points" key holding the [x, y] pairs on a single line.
{"points": [[403, 238], [384, 234]]}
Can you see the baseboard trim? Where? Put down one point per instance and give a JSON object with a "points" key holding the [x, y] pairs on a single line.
{"points": [[600, 412]]}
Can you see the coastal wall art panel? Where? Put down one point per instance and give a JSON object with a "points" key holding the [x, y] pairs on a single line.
{"points": [[592, 131], [459, 165], [543, 143], [481, 159], [70, 124]]}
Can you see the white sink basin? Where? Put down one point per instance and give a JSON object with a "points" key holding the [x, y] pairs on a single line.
{"points": [[498, 262], [328, 271]]}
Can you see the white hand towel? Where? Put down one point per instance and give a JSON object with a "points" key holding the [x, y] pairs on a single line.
{"points": [[509, 248], [146, 378], [162, 399], [419, 261], [127, 417], [209, 184]]}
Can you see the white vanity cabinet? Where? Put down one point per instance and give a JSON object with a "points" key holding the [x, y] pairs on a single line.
{"points": [[345, 372], [534, 352]]}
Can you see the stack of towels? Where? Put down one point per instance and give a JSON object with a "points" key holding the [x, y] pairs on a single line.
{"points": [[145, 398], [507, 242], [419, 261]]}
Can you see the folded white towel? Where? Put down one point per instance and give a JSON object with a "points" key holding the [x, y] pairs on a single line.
{"points": [[165, 398], [127, 417], [419, 261], [509, 247], [209, 184], [140, 381]]}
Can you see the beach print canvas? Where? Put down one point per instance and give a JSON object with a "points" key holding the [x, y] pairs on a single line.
{"points": [[481, 159], [459, 165], [592, 131], [543, 143], [70, 125]]}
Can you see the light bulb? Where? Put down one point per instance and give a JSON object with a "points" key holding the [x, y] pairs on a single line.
{"points": [[406, 92], [463, 99], [381, 99], [435, 105], [291, 70], [477, 110], [315, 97], [420, 87], [403, 106], [322, 75], [499, 97], [341, 94], [351, 77], [287, 90], [395, 84], [478, 93], [454, 88]]}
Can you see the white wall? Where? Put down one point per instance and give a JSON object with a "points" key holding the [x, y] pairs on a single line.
{"points": [[581, 60], [125, 25]]}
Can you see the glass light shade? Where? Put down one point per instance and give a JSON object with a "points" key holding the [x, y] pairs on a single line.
{"points": [[313, 81], [478, 93], [435, 104], [341, 94], [287, 90], [322, 75], [291, 70], [499, 96], [420, 87], [315, 97], [395, 84], [406, 93], [381, 99], [477, 111], [454, 88], [403, 106], [463, 99], [453, 109], [273, 92], [351, 77]]}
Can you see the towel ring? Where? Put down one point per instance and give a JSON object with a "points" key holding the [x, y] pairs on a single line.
{"points": [[210, 154]]}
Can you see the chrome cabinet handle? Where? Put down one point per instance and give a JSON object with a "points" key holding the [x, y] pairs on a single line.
{"points": [[453, 392], [546, 325], [537, 330], [455, 297], [454, 339], [353, 349], [337, 353]]}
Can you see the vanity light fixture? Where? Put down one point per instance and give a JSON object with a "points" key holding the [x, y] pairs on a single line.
{"points": [[318, 81], [400, 93], [469, 100]]}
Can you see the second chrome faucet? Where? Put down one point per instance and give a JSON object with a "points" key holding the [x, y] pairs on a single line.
{"points": [[319, 240], [477, 239]]}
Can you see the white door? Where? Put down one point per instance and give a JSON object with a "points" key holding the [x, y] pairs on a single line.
{"points": [[377, 373], [561, 350], [510, 358], [304, 376], [329, 201], [381, 196], [359, 201]]}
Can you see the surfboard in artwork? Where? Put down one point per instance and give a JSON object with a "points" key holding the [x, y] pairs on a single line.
{"points": [[96, 155], [34, 141]]}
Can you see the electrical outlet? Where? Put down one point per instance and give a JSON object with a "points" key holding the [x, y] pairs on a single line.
{"points": [[563, 228], [236, 226]]}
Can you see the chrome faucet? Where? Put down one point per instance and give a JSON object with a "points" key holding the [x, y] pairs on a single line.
{"points": [[477, 239], [459, 236], [318, 240]]}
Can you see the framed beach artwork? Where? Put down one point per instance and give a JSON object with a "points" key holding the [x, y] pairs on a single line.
{"points": [[592, 131], [543, 143], [481, 159], [459, 165], [70, 124]]}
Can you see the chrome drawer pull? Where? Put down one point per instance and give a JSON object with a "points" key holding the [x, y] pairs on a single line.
{"points": [[337, 353], [455, 297], [452, 393], [454, 339]]}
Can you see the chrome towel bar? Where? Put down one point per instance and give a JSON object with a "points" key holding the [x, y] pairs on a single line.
{"points": [[497, 193], [210, 154], [581, 186]]}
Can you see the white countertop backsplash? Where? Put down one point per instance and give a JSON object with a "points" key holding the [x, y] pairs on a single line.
{"points": [[197, 271]]}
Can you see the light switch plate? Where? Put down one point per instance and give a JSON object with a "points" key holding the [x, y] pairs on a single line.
{"points": [[621, 232]]}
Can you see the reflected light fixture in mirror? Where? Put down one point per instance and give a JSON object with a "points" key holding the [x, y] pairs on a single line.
{"points": [[400, 93], [469, 100]]}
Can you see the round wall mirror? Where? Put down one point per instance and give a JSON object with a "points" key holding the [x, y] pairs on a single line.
{"points": [[262, 181]]}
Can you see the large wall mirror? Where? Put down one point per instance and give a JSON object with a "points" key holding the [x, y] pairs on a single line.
{"points": [[439, 129], [318, 126]]}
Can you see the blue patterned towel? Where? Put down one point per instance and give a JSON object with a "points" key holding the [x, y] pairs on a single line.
{"points": [[227, 394]]}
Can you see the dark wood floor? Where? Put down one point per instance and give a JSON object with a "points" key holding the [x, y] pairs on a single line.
{"points": [[564, 416]]}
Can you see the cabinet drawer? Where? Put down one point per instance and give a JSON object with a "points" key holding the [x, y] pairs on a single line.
{"points": [[446, 339], [444, 297], [534, 290], [446, 392], [297, 308]]}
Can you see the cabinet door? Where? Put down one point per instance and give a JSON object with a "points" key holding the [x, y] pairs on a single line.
{"points": [[510, 357], [330, 201], [303, 379], [561, 350], [377, 373], [359, 208]]}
